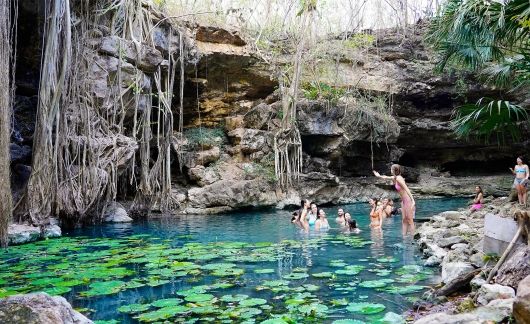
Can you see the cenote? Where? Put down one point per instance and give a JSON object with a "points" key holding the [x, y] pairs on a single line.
{"points": [[247, 267]]}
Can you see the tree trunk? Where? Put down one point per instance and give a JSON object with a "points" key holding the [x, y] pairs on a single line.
{"points": [[6, 204]]}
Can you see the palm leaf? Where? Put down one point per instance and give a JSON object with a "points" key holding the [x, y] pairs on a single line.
{"points": [[489, 119]]}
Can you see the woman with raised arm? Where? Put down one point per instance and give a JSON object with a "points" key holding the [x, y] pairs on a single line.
{"points": [[304, 210], [521, 180], [408, 205], [376, 219]]}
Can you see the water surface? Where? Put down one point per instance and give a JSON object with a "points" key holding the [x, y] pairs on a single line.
{"points": [[196, 263]]}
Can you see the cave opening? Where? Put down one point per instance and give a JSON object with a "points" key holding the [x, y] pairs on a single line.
{"points": [[495, 166]]}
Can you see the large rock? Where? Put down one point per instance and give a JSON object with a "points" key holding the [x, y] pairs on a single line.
{"points": [[23, 233], [521, 306], [147, 58], [116, 213], [450, 241], [496, 311], [39, 308], [204, 157], [488, 292], [259, 116], [252, 140], [451, 270], [516, 268]]}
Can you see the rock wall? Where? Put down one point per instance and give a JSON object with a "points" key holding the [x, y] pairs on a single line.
{"points": [[224, 160]]}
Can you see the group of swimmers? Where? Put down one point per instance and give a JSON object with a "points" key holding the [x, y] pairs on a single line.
{"points": [[309, 215]]}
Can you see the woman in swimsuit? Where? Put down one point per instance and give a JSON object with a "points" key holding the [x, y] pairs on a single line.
{"points": [[408, 205], [521, 180], [312, 215], [376, 220], [303, 214], [479, 199], [387, 208], [322, 222], [352, 227]]}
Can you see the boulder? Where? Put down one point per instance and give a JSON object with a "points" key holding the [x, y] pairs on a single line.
{"points": [[450, 241], [521, 306], [21, 233], [477, 282], [451, 270], [516, 268], [193, 159], [259, 116], [51, 231], [496, 311], [488, 292], [233, 122], [116, 213], [146, 57], [39, 308], [203, 176], [452, 215], [444, 318], [477, 259], [251, 140]]}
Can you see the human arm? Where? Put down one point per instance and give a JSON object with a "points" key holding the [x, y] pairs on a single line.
{"points": [[527, 172], [377, 174], [512, 170]]}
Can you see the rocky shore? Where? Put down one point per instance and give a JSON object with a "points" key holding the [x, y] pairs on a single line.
{"points": [[454, 242]]}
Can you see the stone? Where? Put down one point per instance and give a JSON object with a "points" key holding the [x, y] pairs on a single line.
{"points": [[147, 59], [477, 282], [39, 308], [489, 292], [477, 259], [259, 116], [460, 246], [116, 213], [515, 268], [203, 158], [233, 122], [444, 318], [212, 34], [51, 231], [432, 261], [498, 232], [21, 233], [451, 270], [449, 241], [251, 140], [203, 176], [521, 306], [452, 215]]}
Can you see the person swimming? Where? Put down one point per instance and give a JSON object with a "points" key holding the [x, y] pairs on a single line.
{"points": [[312, 215], [304, 209], [376, 220], [386, 208], [352, 227], [341, 220], [347, 217], [322, 222]]}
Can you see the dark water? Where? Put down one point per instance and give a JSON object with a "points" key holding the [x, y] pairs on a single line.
{"points": [[204, 240]]}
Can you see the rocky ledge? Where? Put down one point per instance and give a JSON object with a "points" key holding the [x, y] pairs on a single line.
{"points": [[39, 308], [24, 233], [454, 241]]}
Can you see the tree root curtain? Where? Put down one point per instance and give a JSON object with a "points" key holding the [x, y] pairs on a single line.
{"points": [[89, 140]]}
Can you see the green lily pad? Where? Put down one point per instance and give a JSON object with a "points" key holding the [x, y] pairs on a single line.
{"points": [[228, 272], [264, 271], [348, 321], [403, 290], [376, 283], [163, 314], [233, 298], [216, 266], [201, 310], [103, 288], [252, 302], [323, 275], [55, 291], [365, 308], [296, 276], [199, 298], [314, 309], [133, 308], [161, 303]]}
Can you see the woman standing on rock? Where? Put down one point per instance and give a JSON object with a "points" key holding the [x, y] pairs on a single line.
{"points": [[521, 180], [408, 205]]}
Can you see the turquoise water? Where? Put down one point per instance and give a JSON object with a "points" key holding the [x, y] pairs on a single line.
{"points": [[187, 268]]}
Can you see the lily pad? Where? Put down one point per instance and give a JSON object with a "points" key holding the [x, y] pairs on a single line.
{"points": [[199, 298], [227, 272], [376, 283], [314, 309], [163, 314], [161, 303], [264, 271], [252, 302], [296, 276], [103, 288], [323, 275], [233, 298], [133, 308], [365, 308]]}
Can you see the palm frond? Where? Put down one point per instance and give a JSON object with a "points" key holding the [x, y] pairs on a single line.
{"points": [[489, 119]]}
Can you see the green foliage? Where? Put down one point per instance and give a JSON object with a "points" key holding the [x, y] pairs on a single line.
{"points": [[320, 90], [493, 257], [198, 137], [489, 119], [491, 36], [359, 41]]}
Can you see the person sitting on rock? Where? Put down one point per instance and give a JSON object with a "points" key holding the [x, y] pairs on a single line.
{"points": [[322, 222], [341, 220], [478, 200]]}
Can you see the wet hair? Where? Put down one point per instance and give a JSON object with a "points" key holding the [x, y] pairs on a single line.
{"points": [[352, 224], [479, 192], [303, 202], [375, 200], [295, 217], [395, 169]]}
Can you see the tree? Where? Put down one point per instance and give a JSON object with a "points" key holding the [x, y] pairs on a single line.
{"points": [[6, 87], [490, 37]]}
